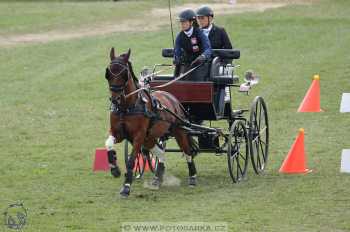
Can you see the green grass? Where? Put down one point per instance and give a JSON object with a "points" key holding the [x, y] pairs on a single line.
{"points": [[19, 17], [53, 109], [40, 16]]}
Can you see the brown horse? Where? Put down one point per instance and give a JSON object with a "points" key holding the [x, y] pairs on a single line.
{"points": [[142, 118]]}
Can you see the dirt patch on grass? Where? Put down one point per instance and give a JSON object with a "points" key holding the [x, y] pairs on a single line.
{"points": [[159, 17], [222, 8], [131, 25]]}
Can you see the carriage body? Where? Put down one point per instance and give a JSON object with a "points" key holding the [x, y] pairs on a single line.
{"points": [[206, 96], [202, 92]]}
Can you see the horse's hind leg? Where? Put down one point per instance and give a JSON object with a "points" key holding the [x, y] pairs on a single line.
{"points": [[188, 146], [158, 178], [112, 156], [156, 150]]}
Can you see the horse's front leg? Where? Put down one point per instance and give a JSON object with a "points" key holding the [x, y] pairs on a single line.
{"points": [[112, 156], [125, 191]]}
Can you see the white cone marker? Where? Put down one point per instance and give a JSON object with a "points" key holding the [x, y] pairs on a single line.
{"points": [[345, 161], [345, 103]]}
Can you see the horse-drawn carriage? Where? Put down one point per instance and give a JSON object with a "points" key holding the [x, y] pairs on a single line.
{"points": [[205, 94]]}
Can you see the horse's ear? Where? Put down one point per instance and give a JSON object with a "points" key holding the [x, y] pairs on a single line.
{"points": [[127, 56], [112, 54]]}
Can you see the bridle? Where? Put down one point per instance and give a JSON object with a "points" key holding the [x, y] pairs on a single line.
{"points": [[118, 88]]}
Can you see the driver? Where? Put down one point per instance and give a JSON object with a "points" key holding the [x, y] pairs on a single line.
{"points": [[218, 40], [217, 35], [192, 47]]}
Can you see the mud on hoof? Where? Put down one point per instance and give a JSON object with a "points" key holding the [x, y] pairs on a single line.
{"points": [[156, 183], [125, 191], [192, 181], [115, 171]]}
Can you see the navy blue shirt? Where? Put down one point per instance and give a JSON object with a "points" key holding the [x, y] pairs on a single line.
{"points": [[187, 49]]}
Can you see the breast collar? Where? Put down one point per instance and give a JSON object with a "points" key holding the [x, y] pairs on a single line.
{"points": [[139, 108]]}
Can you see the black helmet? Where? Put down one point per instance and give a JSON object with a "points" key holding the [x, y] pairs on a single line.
{"points": [[187, 14], [205, 11]]}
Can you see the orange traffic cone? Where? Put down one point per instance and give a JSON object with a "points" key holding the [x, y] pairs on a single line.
{"points": [[101, 160], [311, 102], [138, 163], [147, 166], [295, 162]]}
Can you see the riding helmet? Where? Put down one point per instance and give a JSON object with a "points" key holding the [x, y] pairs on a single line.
{"points": [[187, 15], [205, 11]]}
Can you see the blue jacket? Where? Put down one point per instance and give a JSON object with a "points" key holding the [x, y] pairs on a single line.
{"points": [[187, 49]]}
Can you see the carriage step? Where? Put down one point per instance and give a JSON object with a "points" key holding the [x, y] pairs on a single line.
{"points": [[239, 112]]}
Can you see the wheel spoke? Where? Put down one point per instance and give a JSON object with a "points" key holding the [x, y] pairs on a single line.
{"points": [[258, 162], [233, 154], [262, 130], [239, 167], [242, 157], [263, 120], [259, 117], [254, 140], [254, 122], [257, 154], [240, 140], [262, 161], [262, 149]]}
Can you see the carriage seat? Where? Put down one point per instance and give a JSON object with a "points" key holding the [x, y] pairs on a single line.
{"points": [[211, 71], [216, 73], [168, 52], [165, 77], [233, 54]]}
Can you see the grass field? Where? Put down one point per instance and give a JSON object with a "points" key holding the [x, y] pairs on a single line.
{"points": [[54, 112]]}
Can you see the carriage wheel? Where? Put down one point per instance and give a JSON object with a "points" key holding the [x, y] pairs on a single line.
{"points": [[238, 151], [140, 161], [259, 135]]}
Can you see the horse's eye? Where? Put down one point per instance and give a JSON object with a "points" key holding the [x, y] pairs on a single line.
{"points": [[106, 74]]}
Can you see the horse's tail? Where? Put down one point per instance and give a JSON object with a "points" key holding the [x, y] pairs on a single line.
{"points": [[194, 148]]}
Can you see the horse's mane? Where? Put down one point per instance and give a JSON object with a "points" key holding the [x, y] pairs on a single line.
{"points": [[136, 81], [120, 59]]}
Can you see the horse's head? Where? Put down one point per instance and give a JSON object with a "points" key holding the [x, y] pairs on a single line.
{"points": [[118, 75]]}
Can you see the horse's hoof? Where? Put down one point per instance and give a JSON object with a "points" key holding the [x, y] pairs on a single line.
{"points": [[115, 172], [155, 184], [192, 181], [125, 191]]}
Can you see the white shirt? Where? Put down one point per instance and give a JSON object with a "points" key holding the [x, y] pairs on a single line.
{"points": [[207, 30], [189, 32]]}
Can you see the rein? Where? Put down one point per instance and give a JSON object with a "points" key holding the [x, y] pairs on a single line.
{"points": [[159, 71], [164, 85]]}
